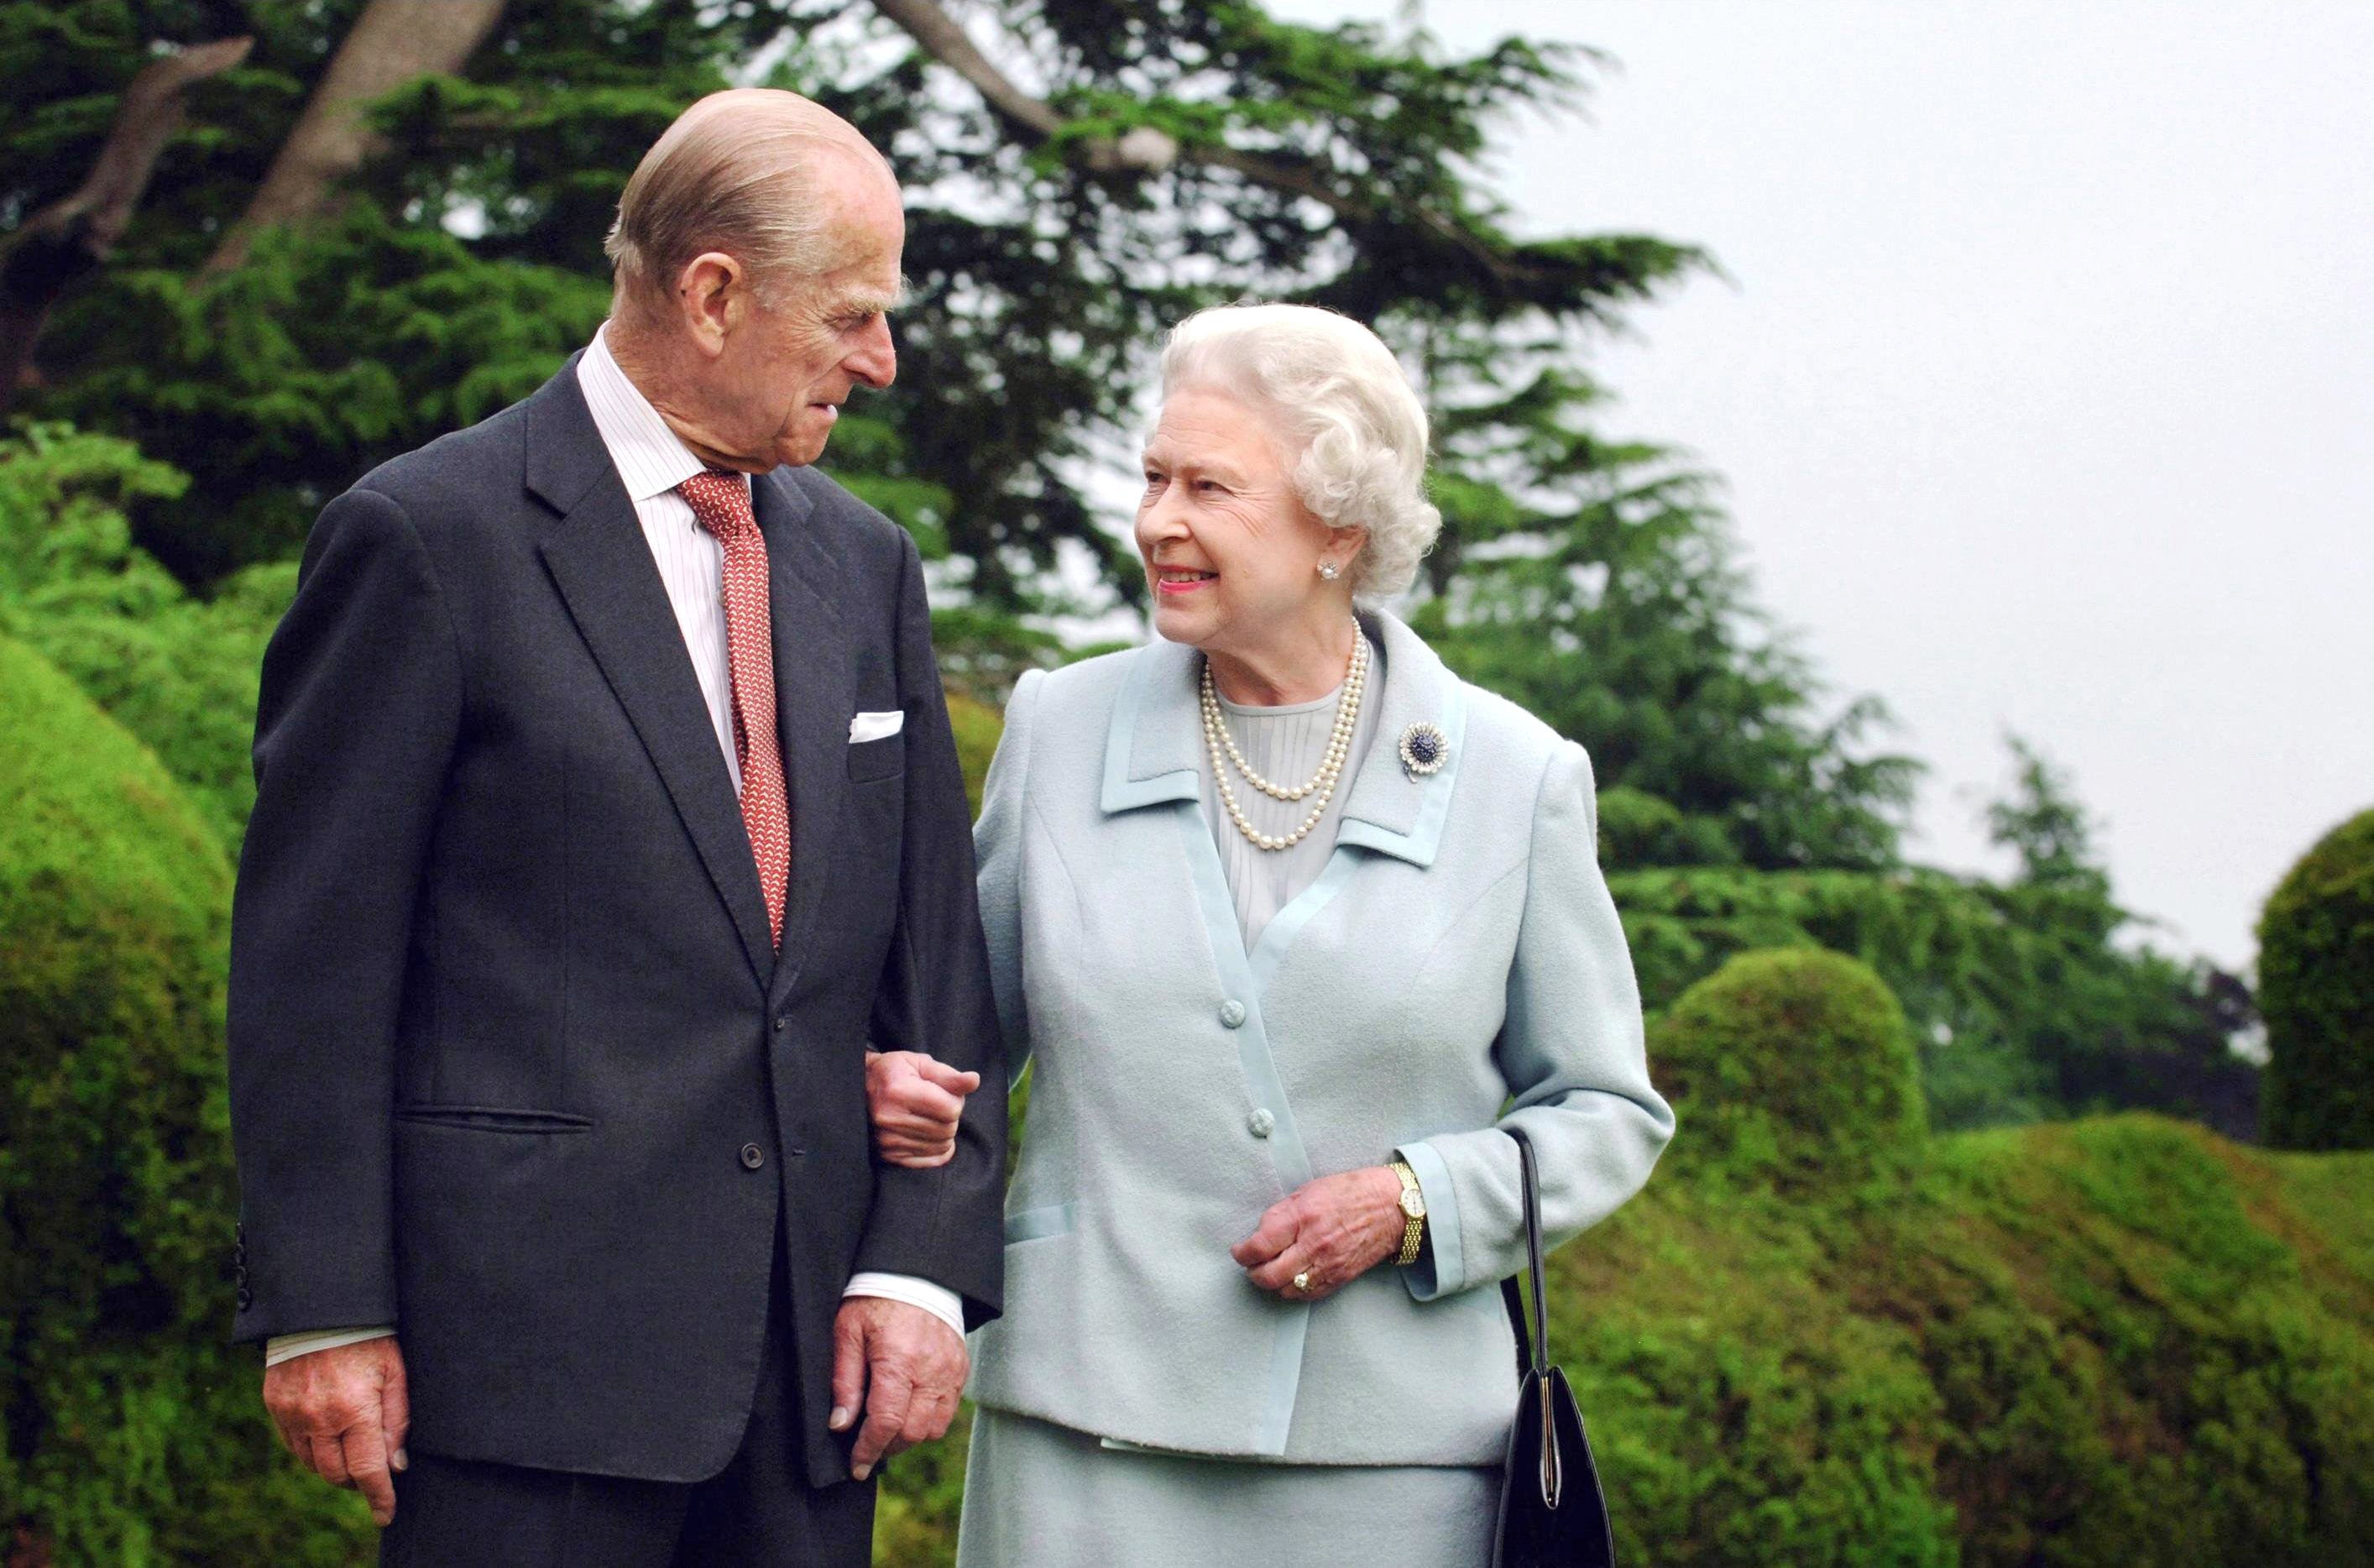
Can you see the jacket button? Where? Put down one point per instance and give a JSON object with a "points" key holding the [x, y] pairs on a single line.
{"points": [[246, 1298], [1232, 1013], [753, 1156], [1261, 1123], [780, 1025]]}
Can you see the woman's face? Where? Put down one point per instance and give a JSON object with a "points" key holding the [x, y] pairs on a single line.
{"points": [[1231, 554]]}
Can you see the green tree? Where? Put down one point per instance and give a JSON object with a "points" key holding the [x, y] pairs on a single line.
{"points": [[2316, 975]]}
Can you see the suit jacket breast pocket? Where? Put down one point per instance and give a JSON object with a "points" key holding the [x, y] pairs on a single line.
{"points": [[885, 758]]}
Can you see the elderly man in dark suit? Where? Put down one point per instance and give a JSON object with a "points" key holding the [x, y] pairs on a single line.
{"points": [[606, 810]]}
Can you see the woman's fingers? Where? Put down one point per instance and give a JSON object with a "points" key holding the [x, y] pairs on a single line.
{"points": [[1272, 1237]]}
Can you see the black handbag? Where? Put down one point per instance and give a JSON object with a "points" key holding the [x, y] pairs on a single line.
{"points": [[1552, 1514]]}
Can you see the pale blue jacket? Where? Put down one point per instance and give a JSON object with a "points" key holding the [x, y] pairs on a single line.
{"points": [[1458, 952]]}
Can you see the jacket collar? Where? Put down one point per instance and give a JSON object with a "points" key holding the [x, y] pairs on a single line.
{"points": [[1154, 745]]}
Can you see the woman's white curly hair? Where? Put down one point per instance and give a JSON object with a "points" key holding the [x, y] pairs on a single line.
{"points": [[1352, 431]]}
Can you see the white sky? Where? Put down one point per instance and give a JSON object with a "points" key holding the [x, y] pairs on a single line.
{"points": [[2044, 388]]}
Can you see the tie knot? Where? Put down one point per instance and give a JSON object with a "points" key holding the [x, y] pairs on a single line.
{"points": [[720, 500]]}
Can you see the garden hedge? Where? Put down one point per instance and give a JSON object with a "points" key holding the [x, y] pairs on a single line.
{"points": [[2316, 991]]}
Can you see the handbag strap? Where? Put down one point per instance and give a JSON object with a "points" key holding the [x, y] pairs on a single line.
{"points": [[1532, 1349]]}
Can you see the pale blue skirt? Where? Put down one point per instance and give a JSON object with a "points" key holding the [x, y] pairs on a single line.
{"points": [[1037, 1495]]}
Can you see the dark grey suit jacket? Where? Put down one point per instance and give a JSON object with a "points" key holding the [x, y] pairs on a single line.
{"points": [[513, 1063]]}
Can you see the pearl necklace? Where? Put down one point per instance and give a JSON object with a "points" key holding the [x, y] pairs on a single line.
{"points": [[1216, 740]]}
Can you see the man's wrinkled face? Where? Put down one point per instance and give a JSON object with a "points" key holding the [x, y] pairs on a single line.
{"points": [[812, 340]]}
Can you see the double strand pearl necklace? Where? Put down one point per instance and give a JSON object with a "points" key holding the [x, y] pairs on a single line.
{"points": [[1217, 739]]}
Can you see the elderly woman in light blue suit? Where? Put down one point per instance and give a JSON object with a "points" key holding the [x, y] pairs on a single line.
{"points": [[1294, 924]]}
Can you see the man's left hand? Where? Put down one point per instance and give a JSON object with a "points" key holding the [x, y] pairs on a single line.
{"points": [[900, 1368]]}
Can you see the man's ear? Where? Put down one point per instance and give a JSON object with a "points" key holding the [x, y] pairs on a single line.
{"points": [[712, 299]]}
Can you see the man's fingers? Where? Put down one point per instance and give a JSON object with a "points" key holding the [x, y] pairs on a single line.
{"points": [[921, 1101], [396, 1415], [848, 1368], [327, 1458], [927, 1420], [907, 1124], [948, 1078], [908, 1157], [363, 1452], [886, 1413]]}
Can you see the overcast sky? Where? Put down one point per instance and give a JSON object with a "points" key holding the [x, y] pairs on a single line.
{"points": [[2043, 388]]}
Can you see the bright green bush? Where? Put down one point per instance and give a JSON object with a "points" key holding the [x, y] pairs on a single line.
{"points": [[178, 672], [2316, 991], [133, 1433], [1791, 1069]]}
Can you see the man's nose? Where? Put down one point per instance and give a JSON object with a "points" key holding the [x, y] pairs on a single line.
{"points": [[874, 362]]}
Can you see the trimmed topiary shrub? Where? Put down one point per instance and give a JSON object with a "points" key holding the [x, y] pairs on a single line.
{"points": [[130, 1432], [2316, 991], [1792, 1068]]}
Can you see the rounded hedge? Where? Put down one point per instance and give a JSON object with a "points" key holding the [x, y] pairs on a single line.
{"points": [[1792, 1067], [2316, 991], [132, 1431]]}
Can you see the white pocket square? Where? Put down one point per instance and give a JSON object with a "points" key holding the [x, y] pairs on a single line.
{"points": [[875, 726]]}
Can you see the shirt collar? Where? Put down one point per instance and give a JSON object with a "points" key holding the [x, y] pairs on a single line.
{"points": [[652, 460]]}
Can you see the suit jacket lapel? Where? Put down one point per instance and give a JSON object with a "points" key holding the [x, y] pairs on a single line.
{"points": [[815, 696], [603, 567]]}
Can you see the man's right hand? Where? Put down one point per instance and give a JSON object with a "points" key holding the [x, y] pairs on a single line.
{"points": [[915, 1103], [344, 1413]]}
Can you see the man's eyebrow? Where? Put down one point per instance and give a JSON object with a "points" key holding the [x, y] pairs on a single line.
{"points": [[869, 302]]}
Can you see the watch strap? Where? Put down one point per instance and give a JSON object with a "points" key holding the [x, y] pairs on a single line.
{"points": [[1414, 1225]]}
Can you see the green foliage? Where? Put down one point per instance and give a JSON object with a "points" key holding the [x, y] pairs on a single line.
{"points": [[1792, 1069], [2114, 1343], [2026, 1000], [2316, 978], [130, 1431], [977, 726], [1637, 828], [178, 671]]}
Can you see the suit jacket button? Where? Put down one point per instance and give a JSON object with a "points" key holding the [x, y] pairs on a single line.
{"points": [[1261, 1123], [1232, 1013], [246, 1298], [753, 1156], [780, 1025]]}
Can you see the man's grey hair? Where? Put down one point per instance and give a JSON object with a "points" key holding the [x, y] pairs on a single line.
{"points": [[1352, 431], [735, 173]]}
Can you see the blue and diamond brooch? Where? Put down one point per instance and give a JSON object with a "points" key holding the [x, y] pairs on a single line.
{"points": [[1423, 750]]}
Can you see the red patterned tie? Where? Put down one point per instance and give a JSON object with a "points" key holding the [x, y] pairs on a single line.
{"points": [[720, 500]]}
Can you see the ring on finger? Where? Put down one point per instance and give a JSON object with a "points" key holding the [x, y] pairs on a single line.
{"points": [[1302, 1282]]}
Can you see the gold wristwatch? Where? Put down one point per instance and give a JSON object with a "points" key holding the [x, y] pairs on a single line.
{"points": [[1413, 1214]]}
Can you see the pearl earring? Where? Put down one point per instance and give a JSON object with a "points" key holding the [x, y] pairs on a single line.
{"points": [[1330, 570]]}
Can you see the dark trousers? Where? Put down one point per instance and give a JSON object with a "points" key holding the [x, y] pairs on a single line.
{"points": [[757, 1512]]}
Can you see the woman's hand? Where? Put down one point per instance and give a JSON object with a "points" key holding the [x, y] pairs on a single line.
{"points": [[914, 1101], [1334, 1230]]}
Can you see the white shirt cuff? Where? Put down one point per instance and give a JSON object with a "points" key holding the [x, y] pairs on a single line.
{"points": [[287, 1347], [938, 1300]]}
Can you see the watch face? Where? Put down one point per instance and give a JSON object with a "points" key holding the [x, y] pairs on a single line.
{"points": [[1414, 1205]]}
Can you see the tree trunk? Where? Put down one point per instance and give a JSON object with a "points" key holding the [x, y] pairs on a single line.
{"points": [[393, 42], [68, 240]]}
